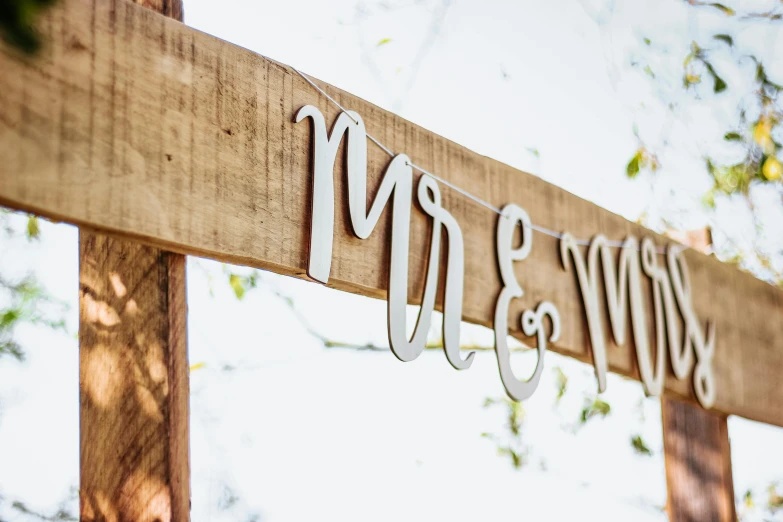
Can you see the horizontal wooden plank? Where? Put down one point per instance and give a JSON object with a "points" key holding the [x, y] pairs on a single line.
{"points": [[139, 126]]}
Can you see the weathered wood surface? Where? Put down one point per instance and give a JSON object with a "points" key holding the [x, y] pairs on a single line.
{"points": [[698, 464], [134, 394], [134, 389], [171, 8], [141, 127]]}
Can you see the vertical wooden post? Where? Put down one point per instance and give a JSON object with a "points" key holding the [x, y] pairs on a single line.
{"points": [[134, 382], [171, 8], [698, 464], [696, 445]]}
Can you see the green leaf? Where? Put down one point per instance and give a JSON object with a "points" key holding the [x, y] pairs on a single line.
{"points": [[719, 85], [383, 41], [602, 407], [516, 417], [33, 229], [731, 179], [639, 446], [647, 41], [726, 10], [597, 407], [562, 383], [18, 19], [241, 284], [236, 284], [632, 169], [725, 38], [9, 317], [689, 78], [708, 199], [517, 460], [761, 75], [649, 71], [732, 136]]}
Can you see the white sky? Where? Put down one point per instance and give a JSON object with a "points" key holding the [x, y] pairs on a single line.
{"points": [[298, 432]]}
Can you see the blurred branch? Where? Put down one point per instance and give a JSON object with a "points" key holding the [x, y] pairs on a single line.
{"points": [[773, 15], [28, 305], [27, 301], [512, 444], [368, 50], [241, 284], [60, 515], [26, 513]]}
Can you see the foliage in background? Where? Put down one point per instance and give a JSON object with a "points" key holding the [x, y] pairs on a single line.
{"points": [[29, 303], [639, 446], [61, 514], [17, 23], [594, 407], [715, 70], [511, 444], [772, 502], [24, 301], [745, 164]]}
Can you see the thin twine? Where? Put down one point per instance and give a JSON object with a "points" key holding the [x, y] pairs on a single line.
{"points": [[493, 208]]}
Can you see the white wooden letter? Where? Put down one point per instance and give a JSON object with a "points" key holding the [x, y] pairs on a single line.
{"points": [[455, 272], [588, 287], [620, 287], [396, 187], [532, 322], [703, 378]]}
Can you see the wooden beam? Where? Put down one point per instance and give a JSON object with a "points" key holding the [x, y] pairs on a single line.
{"points": [[143, 128], [133, 382], [698, 464], [170, 8], [134, 389]]}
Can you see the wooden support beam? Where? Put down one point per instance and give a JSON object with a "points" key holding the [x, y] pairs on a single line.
{"points": [[134, 377], [140, 127], [133, 382], [698, 464], [169, 8]]}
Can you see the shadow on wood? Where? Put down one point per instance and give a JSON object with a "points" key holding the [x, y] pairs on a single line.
{"points": [[133, 383], [698, 464]]}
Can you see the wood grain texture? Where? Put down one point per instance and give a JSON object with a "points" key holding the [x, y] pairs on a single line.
{"points": [[170, 8], [133, 383], [141, 127], [134, 377], [698, 464]]}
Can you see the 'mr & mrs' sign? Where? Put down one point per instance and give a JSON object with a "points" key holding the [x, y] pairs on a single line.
{"points": [[690, 346]]}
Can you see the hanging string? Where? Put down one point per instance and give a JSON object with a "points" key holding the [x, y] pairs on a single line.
{"points": [[493, 208]]}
